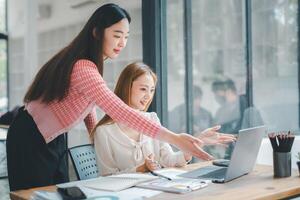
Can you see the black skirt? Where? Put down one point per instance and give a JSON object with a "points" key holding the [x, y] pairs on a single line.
{"points": [[31, 162]]}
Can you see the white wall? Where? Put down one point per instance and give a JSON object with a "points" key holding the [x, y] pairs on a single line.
{"points": [[61, 14], [265, 155]]}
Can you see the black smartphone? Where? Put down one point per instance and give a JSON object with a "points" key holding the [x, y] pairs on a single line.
{"points": [[71, 193]]}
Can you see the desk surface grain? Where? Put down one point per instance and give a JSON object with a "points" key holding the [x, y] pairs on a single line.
{"points": [[259, 184]]}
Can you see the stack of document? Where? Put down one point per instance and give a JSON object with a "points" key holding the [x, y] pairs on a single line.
{"points": [[118, 182], [112, 183], [163, 180]]}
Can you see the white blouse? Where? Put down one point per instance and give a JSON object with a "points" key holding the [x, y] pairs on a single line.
{"points": [[117, 153]]}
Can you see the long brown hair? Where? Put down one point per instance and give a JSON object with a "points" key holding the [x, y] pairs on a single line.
{"points": [[52, 82], [124, 85]]}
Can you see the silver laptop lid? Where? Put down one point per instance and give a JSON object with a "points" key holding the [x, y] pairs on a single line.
{"points": [[245, 152]]}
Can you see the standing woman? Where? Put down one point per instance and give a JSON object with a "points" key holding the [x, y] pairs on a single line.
{"points": [[65, 91]]}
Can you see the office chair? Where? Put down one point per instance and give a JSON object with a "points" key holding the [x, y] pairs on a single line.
{"points": [[84, 161]]}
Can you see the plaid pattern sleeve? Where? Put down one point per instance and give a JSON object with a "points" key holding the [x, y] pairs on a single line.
{"points": [[93, 87], [91, 120]]}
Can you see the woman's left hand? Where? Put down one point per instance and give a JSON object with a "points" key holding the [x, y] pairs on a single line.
{"points": [[211, 136]]}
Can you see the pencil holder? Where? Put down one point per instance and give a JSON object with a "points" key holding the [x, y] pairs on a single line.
{"points": [[282, 164]]}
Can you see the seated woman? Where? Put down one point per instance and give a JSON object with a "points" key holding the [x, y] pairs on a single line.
{"points": [[120, 149]]}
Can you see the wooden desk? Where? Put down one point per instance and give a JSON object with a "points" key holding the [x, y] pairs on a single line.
{"points": [[259, 184]]}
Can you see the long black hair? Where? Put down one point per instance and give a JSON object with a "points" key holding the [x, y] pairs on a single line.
{"points": [[52, 82]]}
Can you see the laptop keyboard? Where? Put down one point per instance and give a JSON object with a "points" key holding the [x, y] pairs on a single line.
{"points": [[209, 172], [217, 174]]}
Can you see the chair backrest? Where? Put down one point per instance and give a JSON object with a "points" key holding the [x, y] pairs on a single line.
{"points": [[84, 161]]}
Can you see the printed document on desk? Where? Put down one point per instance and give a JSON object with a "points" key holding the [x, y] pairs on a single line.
{"points": [[170, 181], [180, 185]]}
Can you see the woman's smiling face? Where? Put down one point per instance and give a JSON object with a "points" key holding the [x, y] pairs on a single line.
{"points": [[142, 92]]}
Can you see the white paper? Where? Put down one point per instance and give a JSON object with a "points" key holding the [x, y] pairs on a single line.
{"points": [[45, 195], [3, 133]]}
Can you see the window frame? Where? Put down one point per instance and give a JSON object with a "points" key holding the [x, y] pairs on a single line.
{"points": [[4, 36]]}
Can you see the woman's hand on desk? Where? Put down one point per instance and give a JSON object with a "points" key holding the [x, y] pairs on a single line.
{"points": [[151, 164], [142, 168], [211, 136]]}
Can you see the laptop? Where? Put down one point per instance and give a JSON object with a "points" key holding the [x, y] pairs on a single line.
{"points": [[242, 160]]}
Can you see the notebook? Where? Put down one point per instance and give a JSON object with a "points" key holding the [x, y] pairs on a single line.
{"points": [[242, 160]]}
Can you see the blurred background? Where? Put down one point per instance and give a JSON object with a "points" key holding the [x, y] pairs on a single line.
{"points": [[228, 62]]}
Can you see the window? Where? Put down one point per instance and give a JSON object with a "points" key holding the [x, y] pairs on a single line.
{"points": [[244, 57], [176, 66], [3, 58], [2, 16], [275, 63], [219, 67]]}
